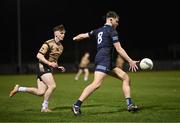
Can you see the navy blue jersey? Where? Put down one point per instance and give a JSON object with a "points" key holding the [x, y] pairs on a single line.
{"points": [[105, 36]]}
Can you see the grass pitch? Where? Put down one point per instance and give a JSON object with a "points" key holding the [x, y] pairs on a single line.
{"points": [[158, 92]]}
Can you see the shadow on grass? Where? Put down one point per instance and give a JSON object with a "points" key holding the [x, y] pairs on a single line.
{"points": [[63, 108], [125, 110], [105, 112], [32, 110], [158, 107], [150, 107], [69, 107], [142, 108]]}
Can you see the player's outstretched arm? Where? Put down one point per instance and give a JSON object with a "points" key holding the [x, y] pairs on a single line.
{"points": [[81, 36]]}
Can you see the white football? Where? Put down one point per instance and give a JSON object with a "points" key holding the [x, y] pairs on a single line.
{"points": [[146, 63]]}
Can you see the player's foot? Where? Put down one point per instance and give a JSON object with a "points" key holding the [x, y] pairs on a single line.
{"points": [[14, 91], [133, 108], [85, 79], [76, 78], [46, 110], [76, 110]]}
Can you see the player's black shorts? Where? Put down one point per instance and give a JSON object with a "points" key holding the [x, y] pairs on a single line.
{"points": [[82, 68], [42, 69]]}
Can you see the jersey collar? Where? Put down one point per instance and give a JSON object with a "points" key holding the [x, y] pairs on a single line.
{"points": [[107, 25]]}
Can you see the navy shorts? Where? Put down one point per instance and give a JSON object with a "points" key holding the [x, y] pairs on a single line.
{"points": [[105, 68], [104, 60]]}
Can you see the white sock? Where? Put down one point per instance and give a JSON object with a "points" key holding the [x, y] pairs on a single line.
{"points": [[76, 78], [85, 78], [45, 104], [22, 89]]}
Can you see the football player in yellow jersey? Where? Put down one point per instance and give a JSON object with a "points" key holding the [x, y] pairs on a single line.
{"points": [[48, 56], [83, 67]]}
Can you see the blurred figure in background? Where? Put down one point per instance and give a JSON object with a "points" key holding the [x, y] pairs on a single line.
{"points": [[120, 62], [83, 67]]}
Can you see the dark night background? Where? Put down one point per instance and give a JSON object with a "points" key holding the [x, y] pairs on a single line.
{"points": [[147, 28]]}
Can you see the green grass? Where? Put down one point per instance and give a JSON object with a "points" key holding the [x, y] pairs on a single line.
{"points": [[158, 92]]}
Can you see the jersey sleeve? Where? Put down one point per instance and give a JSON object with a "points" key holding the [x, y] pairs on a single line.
{"points": [[44, 48], [114, 36], [92, 33]]}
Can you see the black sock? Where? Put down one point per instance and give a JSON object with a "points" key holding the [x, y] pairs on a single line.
{"points": [[78, 103], [129, 101]]}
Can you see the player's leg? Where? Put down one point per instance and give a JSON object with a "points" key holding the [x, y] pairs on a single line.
{"points": [[39, 91], [126, 88], [48, 79], [98, 79], [86, 74], [126, 81], [78, 74]]}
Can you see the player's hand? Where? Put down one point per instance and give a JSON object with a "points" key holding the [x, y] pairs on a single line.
{"points": [[133, 66], [76, 38], [53, 64], [81, 36], [62, 68]]}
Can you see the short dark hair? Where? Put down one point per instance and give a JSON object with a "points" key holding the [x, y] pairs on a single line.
{"points": [[112, 14], [59, 28]]}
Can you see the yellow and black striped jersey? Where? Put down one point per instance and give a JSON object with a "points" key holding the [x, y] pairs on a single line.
{"points": [[51, 50]]}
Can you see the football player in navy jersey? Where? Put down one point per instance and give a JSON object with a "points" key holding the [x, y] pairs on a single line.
{"points": [[107, 44]]}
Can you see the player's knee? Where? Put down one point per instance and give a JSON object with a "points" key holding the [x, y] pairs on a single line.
{"points": [[40, 93], [126, 80], [126, 77], [53, 86]]}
